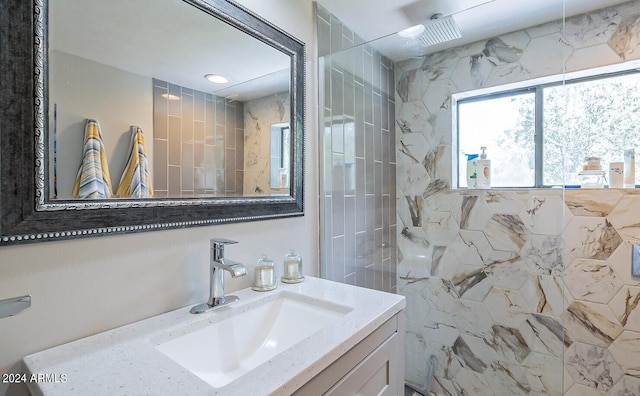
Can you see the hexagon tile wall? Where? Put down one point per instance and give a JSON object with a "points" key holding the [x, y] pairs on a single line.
{"points": [[483, 270], [601, 317]]}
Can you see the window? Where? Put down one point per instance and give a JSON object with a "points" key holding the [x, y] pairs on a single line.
{"points": [[539, 136]]}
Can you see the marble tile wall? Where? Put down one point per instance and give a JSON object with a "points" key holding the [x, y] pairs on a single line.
{"points": [[358, 201], [198, 143], [259, 115], [483, 270], [513, 292], [601, 317]]}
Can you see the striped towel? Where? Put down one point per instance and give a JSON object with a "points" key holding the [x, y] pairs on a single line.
{"points": [[93, 180], [135, 181]]}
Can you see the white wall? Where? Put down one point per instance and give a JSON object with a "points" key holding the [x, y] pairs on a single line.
{"points": [[90, 285], [116, 98]]}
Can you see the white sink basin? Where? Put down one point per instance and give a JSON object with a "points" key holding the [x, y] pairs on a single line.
{"points": [[221, 345], [221, 351]]}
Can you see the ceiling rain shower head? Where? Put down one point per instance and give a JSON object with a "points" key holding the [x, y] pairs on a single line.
{"points": [[439, 30]]}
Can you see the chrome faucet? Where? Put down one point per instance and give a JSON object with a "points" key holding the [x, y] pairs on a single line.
{"points": [[219, 264]]}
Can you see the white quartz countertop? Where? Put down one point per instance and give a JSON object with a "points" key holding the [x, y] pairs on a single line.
{"points": [[124, 361]]}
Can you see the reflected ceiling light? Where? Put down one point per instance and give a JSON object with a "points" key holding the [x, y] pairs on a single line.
{"points": [[170, 96], [412, 31], [217, 78]]}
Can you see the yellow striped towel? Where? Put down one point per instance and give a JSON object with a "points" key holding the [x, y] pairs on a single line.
{"points": [[135, 181], [93, 180]]}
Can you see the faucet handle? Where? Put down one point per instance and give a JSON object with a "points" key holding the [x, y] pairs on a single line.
{"points": [[217, 248], [217, 242]]}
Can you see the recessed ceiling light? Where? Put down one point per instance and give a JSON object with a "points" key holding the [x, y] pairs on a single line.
{"points": [[217, 78], [413, 31], [170, 96]]}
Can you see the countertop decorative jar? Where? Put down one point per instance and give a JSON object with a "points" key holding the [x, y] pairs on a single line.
{"points": [[265, 275], [292, 268]]}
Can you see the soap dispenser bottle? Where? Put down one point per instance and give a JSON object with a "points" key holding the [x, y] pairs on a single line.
{"points": [[483, 167]]}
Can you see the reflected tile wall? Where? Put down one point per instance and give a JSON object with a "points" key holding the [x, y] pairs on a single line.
{"points": [[198, 138], [358, 159], [259, 115]]}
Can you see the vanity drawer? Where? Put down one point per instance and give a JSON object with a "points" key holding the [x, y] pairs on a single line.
{"points": [[375, 375]]}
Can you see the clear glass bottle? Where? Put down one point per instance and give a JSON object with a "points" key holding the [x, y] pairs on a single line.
{"points": [[265, 275], [292, 268]]}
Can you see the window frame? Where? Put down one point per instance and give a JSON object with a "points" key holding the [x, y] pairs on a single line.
{"points": [[537, 86]]}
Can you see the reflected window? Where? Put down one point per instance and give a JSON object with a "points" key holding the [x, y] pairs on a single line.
{"points": [[280, 155]]}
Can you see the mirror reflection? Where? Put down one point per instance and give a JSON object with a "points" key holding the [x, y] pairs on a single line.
{"points": [[131, 114], [280, 143]]}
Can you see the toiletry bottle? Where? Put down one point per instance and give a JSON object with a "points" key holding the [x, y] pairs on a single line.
{"points": [[265, 275], [472, 175], [616, 174], [483, 168], [292, 268], [629, 165]]}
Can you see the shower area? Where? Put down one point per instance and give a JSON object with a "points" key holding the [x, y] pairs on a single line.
{"points": [[509, 291]]}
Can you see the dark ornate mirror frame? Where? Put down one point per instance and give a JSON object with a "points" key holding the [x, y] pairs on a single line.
{"points": [[27, 215]]}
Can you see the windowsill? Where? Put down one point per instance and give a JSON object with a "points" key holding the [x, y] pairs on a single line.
{"points": [[477, 191], [570, 187]]}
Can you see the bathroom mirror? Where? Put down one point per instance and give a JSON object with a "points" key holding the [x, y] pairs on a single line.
{"points": [[102, 70]]}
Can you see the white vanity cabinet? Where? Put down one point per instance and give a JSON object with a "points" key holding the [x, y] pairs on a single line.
{"points": [[375, 366], [355, 348]]}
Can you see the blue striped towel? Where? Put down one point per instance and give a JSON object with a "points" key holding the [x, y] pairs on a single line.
{"points": [[135, 181], [93, 180]]}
